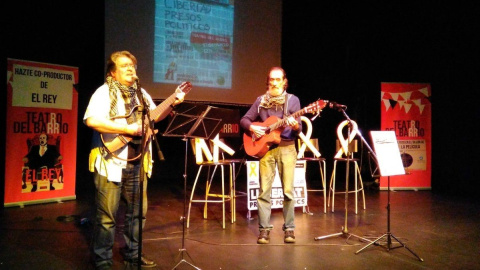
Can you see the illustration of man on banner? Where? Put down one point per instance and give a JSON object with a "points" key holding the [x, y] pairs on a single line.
{"points": [[41, 163]]}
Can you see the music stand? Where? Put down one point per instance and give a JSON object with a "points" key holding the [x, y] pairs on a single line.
{"points": [[390, 163], [199, 121]]}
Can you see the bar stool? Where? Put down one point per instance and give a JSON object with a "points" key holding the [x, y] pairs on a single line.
{"points": [[209, 196], [310, 146], [322, 168], [345, 150]]}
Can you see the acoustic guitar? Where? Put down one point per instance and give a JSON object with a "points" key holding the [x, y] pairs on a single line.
{"points": [[121, 140], [258, 147]]}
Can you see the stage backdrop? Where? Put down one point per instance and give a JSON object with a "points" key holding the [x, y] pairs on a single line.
{"points": [[42, 107], [406, 110]]}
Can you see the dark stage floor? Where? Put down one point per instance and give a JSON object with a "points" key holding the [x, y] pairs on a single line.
{"points": [[444, 231]]}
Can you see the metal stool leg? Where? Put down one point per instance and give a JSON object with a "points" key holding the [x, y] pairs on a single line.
{"points": [[208, 184], [191, 195], [232, 192], [322, 165], [358, 186], [332, 187], [361, 187], [222, 197]]}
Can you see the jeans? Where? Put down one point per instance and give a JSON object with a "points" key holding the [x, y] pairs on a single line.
{"points": [[107, 200], [285, 158]]}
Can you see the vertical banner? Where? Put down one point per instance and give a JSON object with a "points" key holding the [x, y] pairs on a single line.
{"points": [[253, 186], [41, 133], [406, 110]]}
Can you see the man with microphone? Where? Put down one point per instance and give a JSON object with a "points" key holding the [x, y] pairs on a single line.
{"points": [[114, 113]]}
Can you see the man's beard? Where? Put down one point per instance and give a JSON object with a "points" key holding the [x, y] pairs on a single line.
{"points": [[276, 88]]}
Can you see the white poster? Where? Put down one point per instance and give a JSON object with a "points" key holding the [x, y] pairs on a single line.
{"points": [[253, 186], [387, 152]]}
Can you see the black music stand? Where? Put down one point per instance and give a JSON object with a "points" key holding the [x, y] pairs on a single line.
{"points": [[199, 121], [390, 163]]}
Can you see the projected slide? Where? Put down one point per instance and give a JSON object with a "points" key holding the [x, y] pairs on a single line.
{"points": [[224, 50], [193, 42]]}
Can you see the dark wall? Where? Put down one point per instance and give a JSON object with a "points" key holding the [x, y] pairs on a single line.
{"points": [[342, 52], [330, 51]]}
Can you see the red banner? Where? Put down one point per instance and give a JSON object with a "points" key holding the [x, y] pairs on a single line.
{"points": [[406, 110], [41, 139]]}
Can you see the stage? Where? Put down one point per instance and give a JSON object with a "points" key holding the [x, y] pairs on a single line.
{"points": [[442, 230]]}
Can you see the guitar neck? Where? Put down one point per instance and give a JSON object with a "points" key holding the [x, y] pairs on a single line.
{"points": [[163, 106], [281, 122]]}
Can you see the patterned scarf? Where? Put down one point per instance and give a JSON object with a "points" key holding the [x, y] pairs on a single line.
{"points": [[269, 101], [128, 95]]}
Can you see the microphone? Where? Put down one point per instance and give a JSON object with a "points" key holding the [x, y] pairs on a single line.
{"points": [[137, 82], [337, 106]]}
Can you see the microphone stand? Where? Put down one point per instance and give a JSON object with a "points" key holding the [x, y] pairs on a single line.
{"points": [[144, 114], [344, 231]]}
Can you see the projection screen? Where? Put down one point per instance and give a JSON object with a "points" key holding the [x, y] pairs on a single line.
{"points": [[225, 48]]}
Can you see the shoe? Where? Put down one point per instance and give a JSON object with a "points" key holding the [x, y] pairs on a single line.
{"points": [[289, 236], [264, 237], [145, 262], [34, 188]]}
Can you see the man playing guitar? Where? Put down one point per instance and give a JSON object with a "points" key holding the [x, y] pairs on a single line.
{"points": [[113, 113], [275, 104]]}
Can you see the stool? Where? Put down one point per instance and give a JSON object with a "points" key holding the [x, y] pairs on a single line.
{"points": [[213, 162], [215, 197], [322, 168], [358, 182], [345, 149]]}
